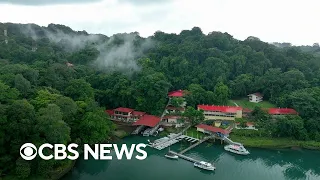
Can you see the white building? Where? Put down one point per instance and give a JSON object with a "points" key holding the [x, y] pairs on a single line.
{"points": [[255, 97], [172, 120]]}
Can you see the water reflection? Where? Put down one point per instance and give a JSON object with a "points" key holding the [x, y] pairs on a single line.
{"points": [[99, 166], [261, 164], [294, 172]]}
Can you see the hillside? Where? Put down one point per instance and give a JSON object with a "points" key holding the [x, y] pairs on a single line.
{"points": [[55, 83]]}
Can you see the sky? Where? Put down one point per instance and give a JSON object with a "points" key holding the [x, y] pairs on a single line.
{"points": [[294, 21]]}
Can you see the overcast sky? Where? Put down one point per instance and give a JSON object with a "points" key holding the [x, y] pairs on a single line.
{"points": [[295, 21]]}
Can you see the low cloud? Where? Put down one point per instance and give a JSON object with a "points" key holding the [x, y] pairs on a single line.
{"points": [[144, 2], [45, 2], [118, 53], [122, 57]]}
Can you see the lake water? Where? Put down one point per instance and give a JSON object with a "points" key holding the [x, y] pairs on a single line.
{"points": [[261, 164]]}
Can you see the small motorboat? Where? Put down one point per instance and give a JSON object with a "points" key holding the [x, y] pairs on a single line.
{"points": [[171, 156], [204, 165], [237, 149]]}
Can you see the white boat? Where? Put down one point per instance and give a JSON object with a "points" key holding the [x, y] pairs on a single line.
{"points": [[146, 132], [237, 149], [204, 165], [171, 156]]}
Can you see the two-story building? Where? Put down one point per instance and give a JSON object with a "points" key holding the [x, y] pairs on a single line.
{"points": [[125, 114], [255, 97], [221, 114], [172, 120]]}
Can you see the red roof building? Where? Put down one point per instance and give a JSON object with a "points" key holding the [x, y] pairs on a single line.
{"points": [[124, 114], [147, 120], [282, 111], [131, 116], [138, 113], [257, 94], [178, 93], [221, 114], [122, 109], [224, 109], [212, 129]]}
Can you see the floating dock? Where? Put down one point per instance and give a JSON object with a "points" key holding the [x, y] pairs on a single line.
{"points": [[185, 157], [196, 144], [165, 142]]}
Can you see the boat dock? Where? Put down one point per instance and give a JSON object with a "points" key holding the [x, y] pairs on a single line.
{"points": [[165, 142], [185, 157], [196, 144]]}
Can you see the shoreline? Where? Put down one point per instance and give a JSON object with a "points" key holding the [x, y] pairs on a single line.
{"points": [[252, 142], [276, 143]]}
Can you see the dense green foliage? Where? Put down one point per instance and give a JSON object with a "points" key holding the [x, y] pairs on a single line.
{"points": [[43, 99]]}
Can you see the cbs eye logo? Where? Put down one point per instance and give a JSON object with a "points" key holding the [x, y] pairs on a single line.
{"points": [[28, 151]]}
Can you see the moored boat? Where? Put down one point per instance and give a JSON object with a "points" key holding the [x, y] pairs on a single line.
{"points": [[171, 156], [237, 149], [204, 165]]}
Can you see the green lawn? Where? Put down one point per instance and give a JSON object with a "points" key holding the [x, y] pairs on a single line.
{"points": [[194, 133], [246, 104]]}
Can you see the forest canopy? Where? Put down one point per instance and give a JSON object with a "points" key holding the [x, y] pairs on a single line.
{"points": [[55, 83]]}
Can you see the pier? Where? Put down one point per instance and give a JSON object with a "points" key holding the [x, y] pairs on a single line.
{"points": [[196, 144], [165, 142], [185, 157]]}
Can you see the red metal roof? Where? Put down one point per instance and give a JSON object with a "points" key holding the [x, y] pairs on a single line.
{"points": [[226, 109], [122, 109], [148, 120], [178, 93], [138, 113], [110, 111], [247, 110], [213, 129], [250, 124], [283, 111], [257, 94]]}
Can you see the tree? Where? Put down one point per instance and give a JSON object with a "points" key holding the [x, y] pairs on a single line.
{"points": [[23, 168], [7, 94], [193, 115], [195, 95], [306, 102], [151, 92], [79, 90], [45, 97], [177, 101], [22, 84], [291, 126], [67, 106], [95, 127], [222, 93], [51, 125], [242, 85]]}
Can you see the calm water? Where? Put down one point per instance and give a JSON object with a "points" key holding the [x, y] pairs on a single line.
{"points": [[259, 165]]}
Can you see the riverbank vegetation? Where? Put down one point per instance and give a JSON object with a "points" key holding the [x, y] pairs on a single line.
{"points": [[269, 142], [55, 84]]}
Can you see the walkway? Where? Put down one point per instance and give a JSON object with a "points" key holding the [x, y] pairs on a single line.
{"points": [[172, 137], [154, 129], [184, 157], [235, 103], [196, 144]]}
